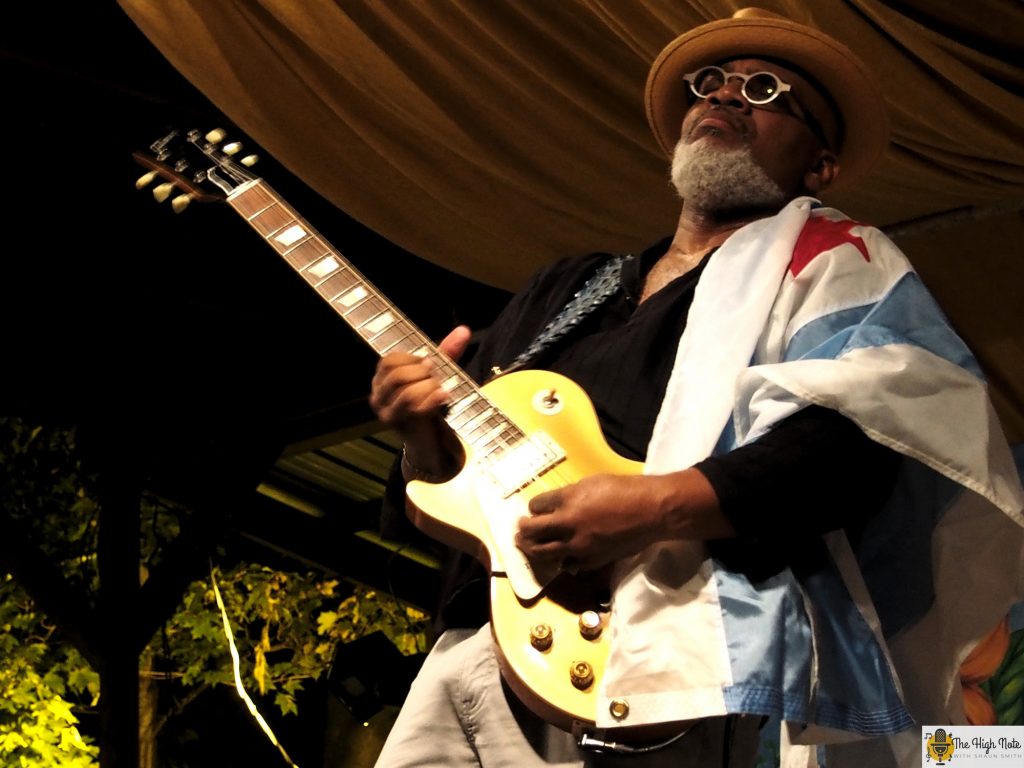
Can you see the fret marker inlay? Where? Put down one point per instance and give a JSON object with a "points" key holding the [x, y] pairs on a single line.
{"points": [[325, 267], [353, 297], [291, 235], [380, 322]]}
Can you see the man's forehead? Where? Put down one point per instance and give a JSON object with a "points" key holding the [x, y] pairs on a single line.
{"points": [[753, 63]]}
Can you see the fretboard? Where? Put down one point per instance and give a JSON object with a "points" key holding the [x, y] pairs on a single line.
{"points": [[473, 417]]}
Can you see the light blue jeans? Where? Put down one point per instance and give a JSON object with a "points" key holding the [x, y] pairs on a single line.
{"points": [[458, 713]]}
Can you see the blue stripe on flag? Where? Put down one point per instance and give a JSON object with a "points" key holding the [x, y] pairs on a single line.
{"points": [[768, 636], [906, 315]]}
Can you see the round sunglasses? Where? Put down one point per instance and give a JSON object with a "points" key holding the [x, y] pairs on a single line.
{"points": [[758, 88]]}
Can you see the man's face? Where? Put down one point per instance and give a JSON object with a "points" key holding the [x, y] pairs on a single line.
{"points": [[777, 134]]}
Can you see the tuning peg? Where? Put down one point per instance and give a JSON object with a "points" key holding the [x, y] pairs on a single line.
{"points": [[180, 203], [162, 191], [231, 148], [249, 160], [216, 135], [145, 180]]}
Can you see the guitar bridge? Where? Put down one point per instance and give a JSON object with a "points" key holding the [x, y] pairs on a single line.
{"points": [[514, 467]]}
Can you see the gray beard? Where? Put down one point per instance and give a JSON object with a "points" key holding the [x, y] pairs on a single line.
{"points": [[720, 180]]}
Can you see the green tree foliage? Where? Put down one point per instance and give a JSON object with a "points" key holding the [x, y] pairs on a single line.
{"points": [[286, 624], [44, 680]]}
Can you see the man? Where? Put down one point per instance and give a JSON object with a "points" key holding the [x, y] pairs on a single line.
{"points": [[783, 375]]}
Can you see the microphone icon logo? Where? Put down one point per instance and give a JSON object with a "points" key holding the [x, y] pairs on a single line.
{"points": [[940, 746]]}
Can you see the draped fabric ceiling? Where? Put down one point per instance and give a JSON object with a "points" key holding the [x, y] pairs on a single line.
{"points": [[493, 136]]}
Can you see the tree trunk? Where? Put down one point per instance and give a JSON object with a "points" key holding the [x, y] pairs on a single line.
{"points": [[148, 701]]}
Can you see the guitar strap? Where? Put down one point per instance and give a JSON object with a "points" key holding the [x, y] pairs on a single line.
{"points": [[601, 286]]}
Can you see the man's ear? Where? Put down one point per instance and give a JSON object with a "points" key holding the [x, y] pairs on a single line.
{"points": [[822, 173]]}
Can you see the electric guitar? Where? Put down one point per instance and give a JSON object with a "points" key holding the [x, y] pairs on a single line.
{"points": [[523, 433]]}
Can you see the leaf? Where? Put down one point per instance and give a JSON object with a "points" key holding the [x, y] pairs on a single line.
{"points": [[12, 741], [325, 622], [286, 704], [70, 739], [60, 708]]}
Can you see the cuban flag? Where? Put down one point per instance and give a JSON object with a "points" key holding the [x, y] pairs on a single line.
{"points": [[847, 647]]}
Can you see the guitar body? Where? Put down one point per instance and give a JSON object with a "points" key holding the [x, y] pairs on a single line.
{"points": [[465, 514]]}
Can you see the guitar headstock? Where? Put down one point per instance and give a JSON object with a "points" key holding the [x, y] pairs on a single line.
{"points": [[194, 166]]}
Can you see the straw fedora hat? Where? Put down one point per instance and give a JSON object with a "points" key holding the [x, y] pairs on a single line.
{"points": [[756, 33]]}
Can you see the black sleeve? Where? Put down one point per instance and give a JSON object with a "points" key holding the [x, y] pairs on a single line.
{"points": [[815, 472]]}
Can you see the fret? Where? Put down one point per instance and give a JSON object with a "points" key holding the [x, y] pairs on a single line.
{"points": [[460, 405], [406, 335], [310, 255], [338, 284], [490, 436], [380, 338], [469, 410], [470, 419], [363, 311], [252, 201], [484, 425], [511, 437], [279, 227], [388, 338]]}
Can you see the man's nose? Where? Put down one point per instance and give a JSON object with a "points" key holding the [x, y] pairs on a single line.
{"points": [[730, 94]]}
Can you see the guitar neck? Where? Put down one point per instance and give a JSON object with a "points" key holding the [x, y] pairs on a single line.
{"points": [[383, 327]]}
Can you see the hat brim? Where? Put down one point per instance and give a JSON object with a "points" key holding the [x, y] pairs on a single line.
{"points": [[849, 82]]}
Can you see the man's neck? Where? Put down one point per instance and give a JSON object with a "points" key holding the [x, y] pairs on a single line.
{"points": [[697, 233]]}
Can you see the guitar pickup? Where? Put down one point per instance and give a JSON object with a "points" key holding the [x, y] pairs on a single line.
{"points": [[513, 467]]}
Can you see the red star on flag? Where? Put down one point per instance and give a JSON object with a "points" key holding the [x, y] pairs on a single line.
{"points": [[820, 235]]}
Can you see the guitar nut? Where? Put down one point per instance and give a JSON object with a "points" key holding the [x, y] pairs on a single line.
{"points": [[541, 636], [581, 674], [590, 625]]}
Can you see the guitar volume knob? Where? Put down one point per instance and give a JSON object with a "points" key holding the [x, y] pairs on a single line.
{"points": [[581, 674], [590, 625], [541, 636]]}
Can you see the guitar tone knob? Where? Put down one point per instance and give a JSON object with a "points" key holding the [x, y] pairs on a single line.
{"points": [[590, 625], [581, 674], [541, 636]]}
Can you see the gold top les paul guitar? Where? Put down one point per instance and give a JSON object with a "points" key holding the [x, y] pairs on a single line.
{"points": [[523, 433]]}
